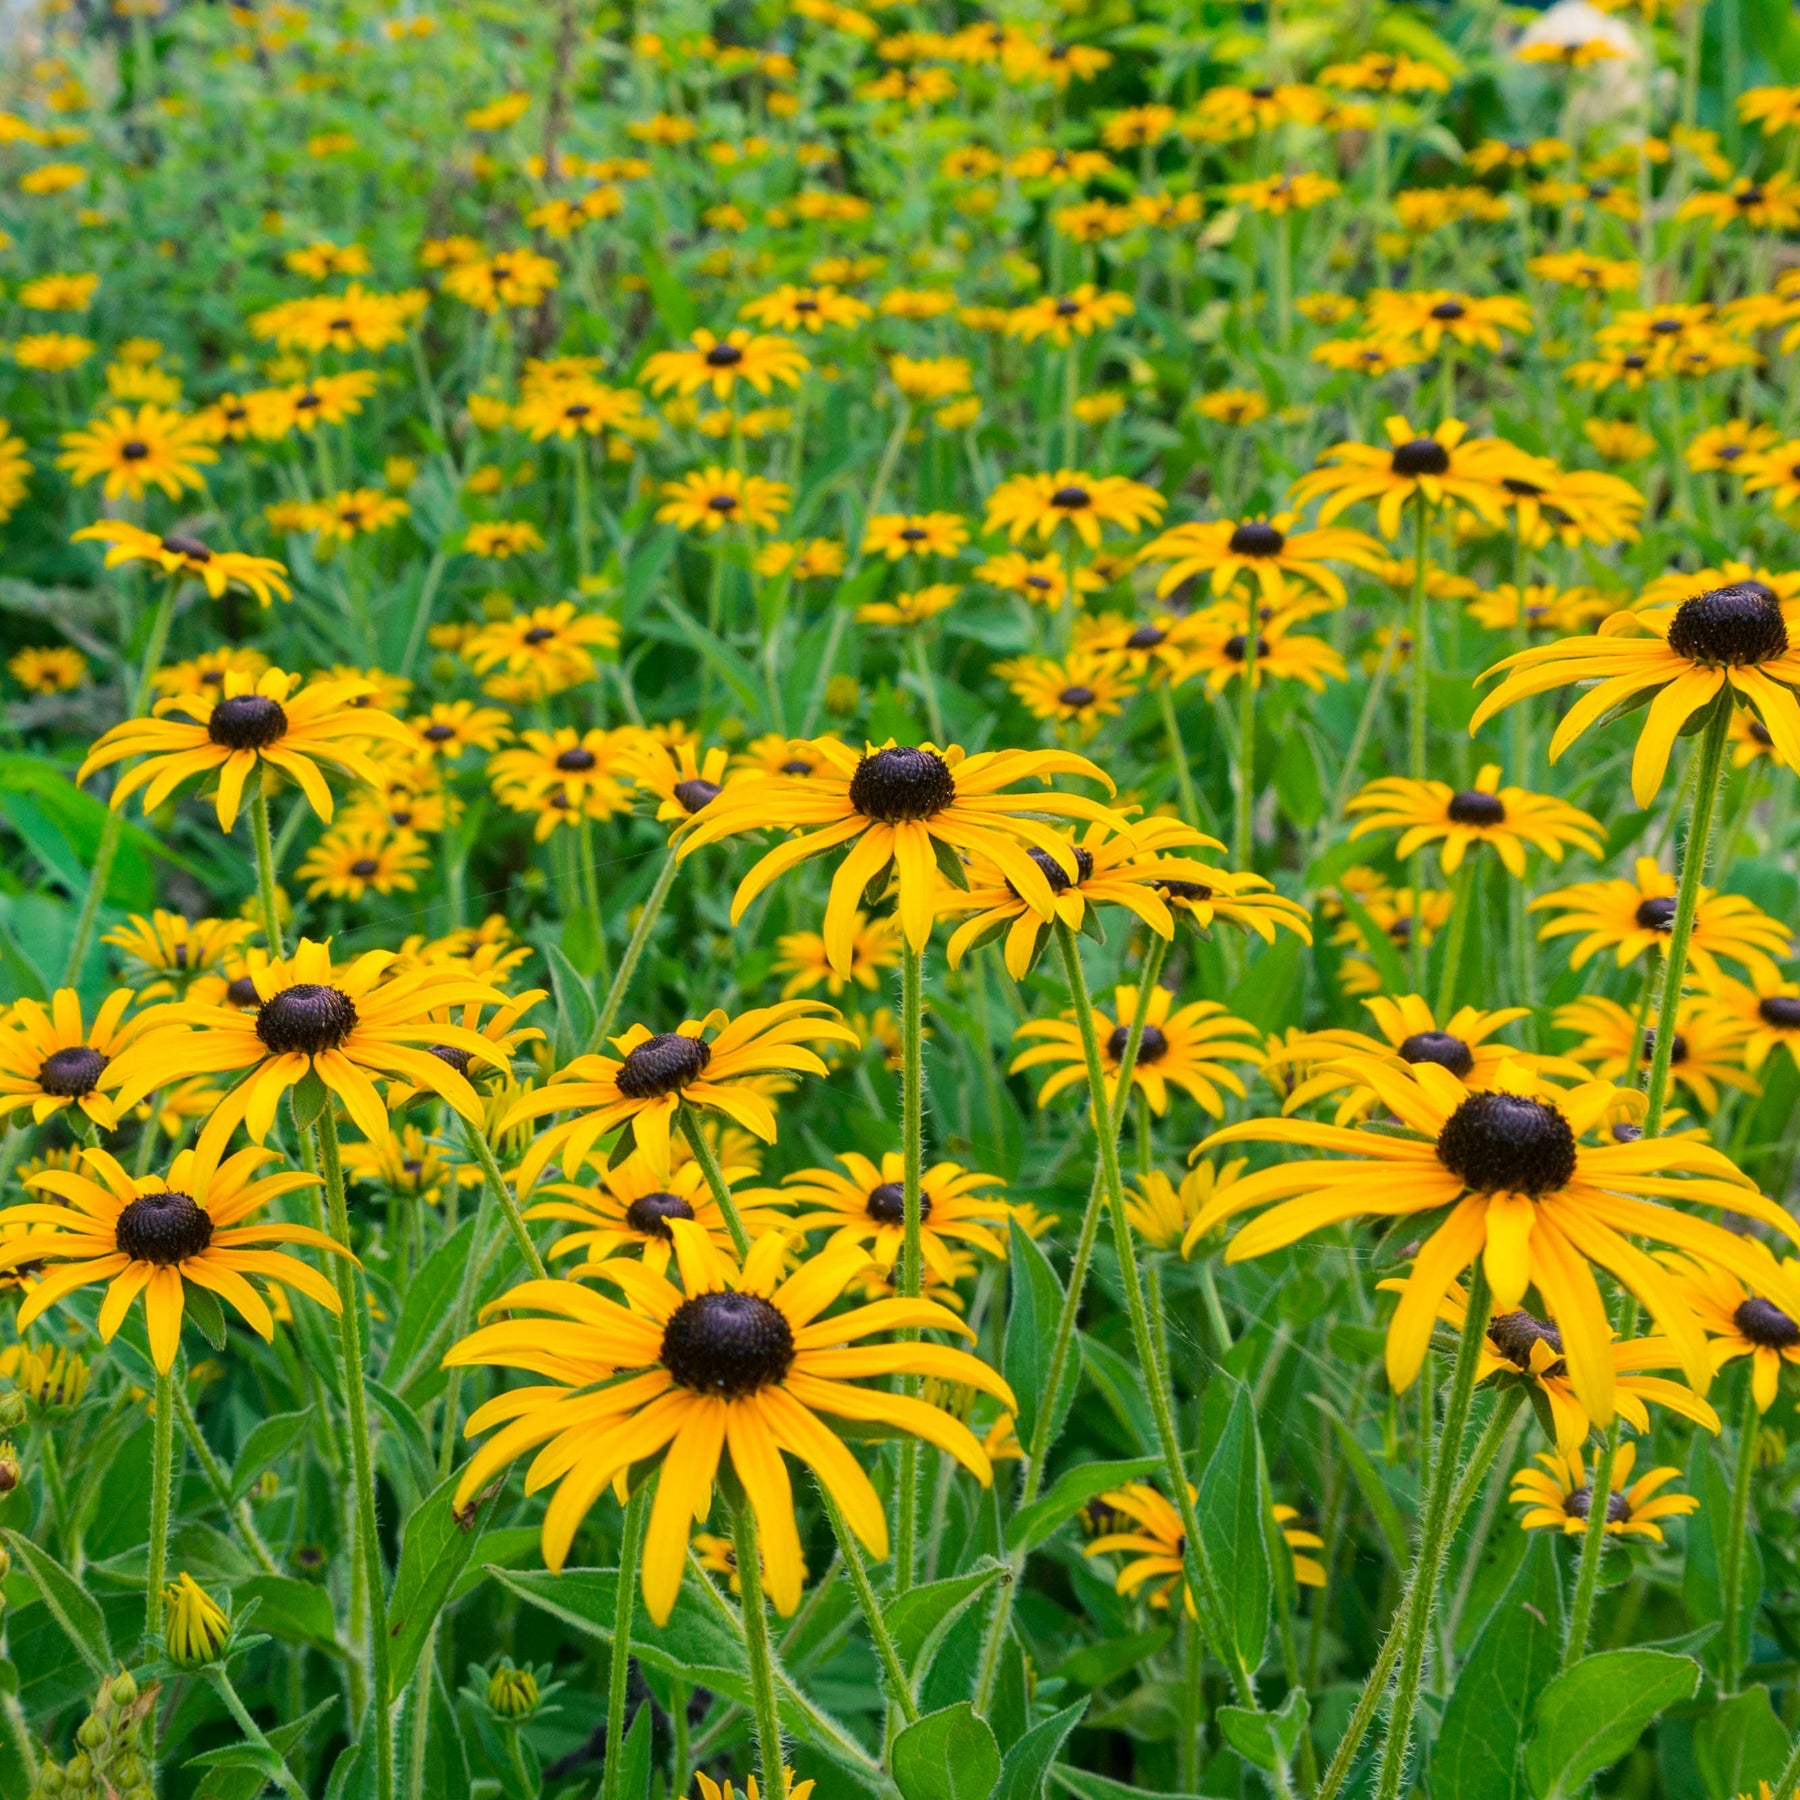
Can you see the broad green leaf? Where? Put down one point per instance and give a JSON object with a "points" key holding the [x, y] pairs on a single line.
{"points": [[673, 302], [428, 1311], [1595, 1711], [1476, 1756], [1267, 1739], [1706, 1534], [1085, 1785], [260, 1757], [576, 1013], [947, 1755], [1031, 1320], [1122, 1388], [1027, 1764], [1074, 1488], [1378, 944], [203, 1311], [270, 1440], [1233, 1511], [1098, 1664], [1740, 1744], [434, 1549], [67, 1602], [634, 1769], [297, 1612], [409, 1431], [919, 1618]]}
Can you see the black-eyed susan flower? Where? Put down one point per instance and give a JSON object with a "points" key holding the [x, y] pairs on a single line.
{"points": [[874, 949], [1156, 1546], [1724, 447], [489, 281], [865, 1205], [452, 726], [1279, 559], [1280, 195], [408, 1163], [151, 1234], [1219, 650], [713, 497], [1510, 819], [1026, 504], [131, 452], [1040, 580], [353, 859], [248, 722], [341, 1022], [1766, 203], [177, 554], [585, 770], [759, 360], [1428, 316], [1236, 897], [1765, 1014], [51, 1059], [1440, 466], [1080, 689], [791, 308], [893, 806], [48, 669], [734, 1362], [579, 409], [814, 560], [914, 606], [627, 1208], [683, 778], [1708, 1052], [1739, 1320], [710, 1063], [1557, 1497], [1161, 1211], [499, 539], [1187, 1047], [168, 949], [1524, 1192], [558, 642], [895, 535], [1632, 916], [1060, 318], [1308, 1570]]}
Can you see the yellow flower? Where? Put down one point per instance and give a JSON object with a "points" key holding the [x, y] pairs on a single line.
{"points": [[1219, 646], [1430, 315], [1082, 689], [874, 948], [195, 1628], [913, 607], [1063, 317], [177, 554], [1769, 204], [714, 497], [1590, 274], [1738, 1320], [1162, 1213], [1279, 559], [1558, 1496], [1433, 469], [928, 378], [1280, 195], [1508, 818], [720, 363], [50, 351], [48, 669], [555, 641], [49, 1059], [814, 560], [1040, 503], [490, 281], [58, 293], [1708, 1051], [350, 860], [500, 538], [895, 535], [1233, 406], [1041, 580], [134, 451]]}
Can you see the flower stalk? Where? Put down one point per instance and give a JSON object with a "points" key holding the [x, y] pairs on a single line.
{"points": [[756, 1645], [631, 1543], [634, 951]]}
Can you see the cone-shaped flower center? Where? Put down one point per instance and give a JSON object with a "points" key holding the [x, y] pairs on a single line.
{"points": [[364, 867], [1780, 1010], [1071, 499], [191, 548], [662, 1064], [306, 1019], [1618, 1508], [651, 1213], [1514, 1333], [70, 1073], [1508, 1144], [576, 760], [724, 356], [1053, 871], [1421, 456], [1657, 913], [1447, 310], [1152, 1046], [163, 1229], [1256, 537], [1146, 637], [453, 1054], [247, 722], [1473, 807], [695, 793], [1237, 643], [1440, 1047], [886, 1204], [1730, 625], [1184, 890], [1766, 1325], [727, 1344], [1077, 696], [898, 783]]}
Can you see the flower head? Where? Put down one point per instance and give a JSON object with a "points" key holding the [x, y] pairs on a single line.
{"points": [[1558, 1496], [712, 498], [1510, 819], [761, 361], [1435, 468], [177, 554], [134, 451], [1039, 503]]}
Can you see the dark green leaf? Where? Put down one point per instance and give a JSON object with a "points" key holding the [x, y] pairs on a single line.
{"points": [[1099, 1664], [1233, 1510], [576, 1013], [428, 1310], [950, 865], [948, 1755], [1267, 1739], [1031, 1321], [1073, 1490], [259, 1757], [918, 1619], [269, 1441], [67, 1602], [307, 1099], [411, 1433], [297, 1612], [203, 1311], [634, 1768], [1740, 1744], [1028, 1762], [434, 1549], [1372, 1488], [1595, 1711]]}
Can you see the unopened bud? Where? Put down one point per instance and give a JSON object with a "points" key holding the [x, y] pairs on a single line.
{"points": [[12, 1410], [124, 1690], [512, 1693], [92, 1732], [79, 1771], [127, 1771], [50, 1779], [11, 1471]]}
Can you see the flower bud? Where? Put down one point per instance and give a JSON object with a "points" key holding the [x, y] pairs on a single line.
{"points": [[79, 1771], [127, 1771], [12, 1410], [512, 1693], [11, 1471], [124, 1690], [50, 1779], [92, 1732], [196, 1628]]}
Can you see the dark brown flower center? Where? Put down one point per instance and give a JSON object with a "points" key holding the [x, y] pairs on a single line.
{"points": [[191, 548], [723, 503], [241, 991], [1750, 196], [886, 1204], [797, 766], [724, 356], [1656, 914], [1146, 637], [453, 1054], [247, 722], [902, 783], [650, 1214], [539, 634], [1440, 1047], [68, 1074], [134, 450], [729, 1345], [1238, 643], [663, 1064], [1153, 1046], [1422, 456], [1071, 499], [1678, 1048], [306, 1020], [1256, 537], [1513, 1334], [1473, 807], [1618, 1508], [364, 867], [1077, 697], [1508, 1144], [1054, 873], [1185, 890], [576, 760], [438, 734], [1780, 1010], [695, 793], [1766, 1325], [1730, 625], [1448, 310], [162, 1229]]}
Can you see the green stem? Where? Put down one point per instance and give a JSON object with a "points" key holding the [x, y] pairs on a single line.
{"points": [[162, 1484], [1731, 1576], [912, 1147], [1461, 904], [1184, 776], [423, 1682], [715, 1179], [279, 1772], [1421, 672], [476, 1138], [1242, 844], [356, 1406], [1197, 1564], [265, 870], [215, 1479], [899, 1689], [634, 950], [630, 1545], [460, 1317], [1593, 1547], [583, 555], [756, 1648], [1434, 1540], [1374, 1687], [1687, 899]]}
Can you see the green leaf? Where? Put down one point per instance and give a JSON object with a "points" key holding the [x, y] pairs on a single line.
{"points": [[947, 1755], [308, 1098], [436, 1545], [1740, 1744], [1297, 780], [410, 1432], [297, 1612], [269, 1441], [1085, 1785], [1270, 991], [950, 865], [1267, 1739], [725, 662], [1031, 1320], [1373, 1489], [1592, 1714], [260, 1757], [1706, 1534], [1476, 1756], [1098, 1664], [1073, 1490], [1122, 1387], [634, 1767], [1378, 944], [918, 1619], [428, 1311], [1233, 1511], [581, 943], [576, 1013], [673, 302], [203, 1311], [1028, 1762], [67, 1602]]}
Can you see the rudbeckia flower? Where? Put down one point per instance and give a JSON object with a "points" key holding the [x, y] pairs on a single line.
{"points": [[152, 447], [1738, 1321], [895, 535], [1681, 659], [894, 807], [721, 363], [1439, 467], [1557, 1497], [1219, 650], [50, 1060], [151, 1234], [1539, 1206], [1162, 1213], [714, 497], [1040, 503], [249, 721], [1082, 689], [1708, 1052], [874, 947], [1270, 551], [731, 1362], [342, 1023], [1766, 1014], [791, 308], [1510, 819], [1187, 1047], [708, 1063], [176, 554]]}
